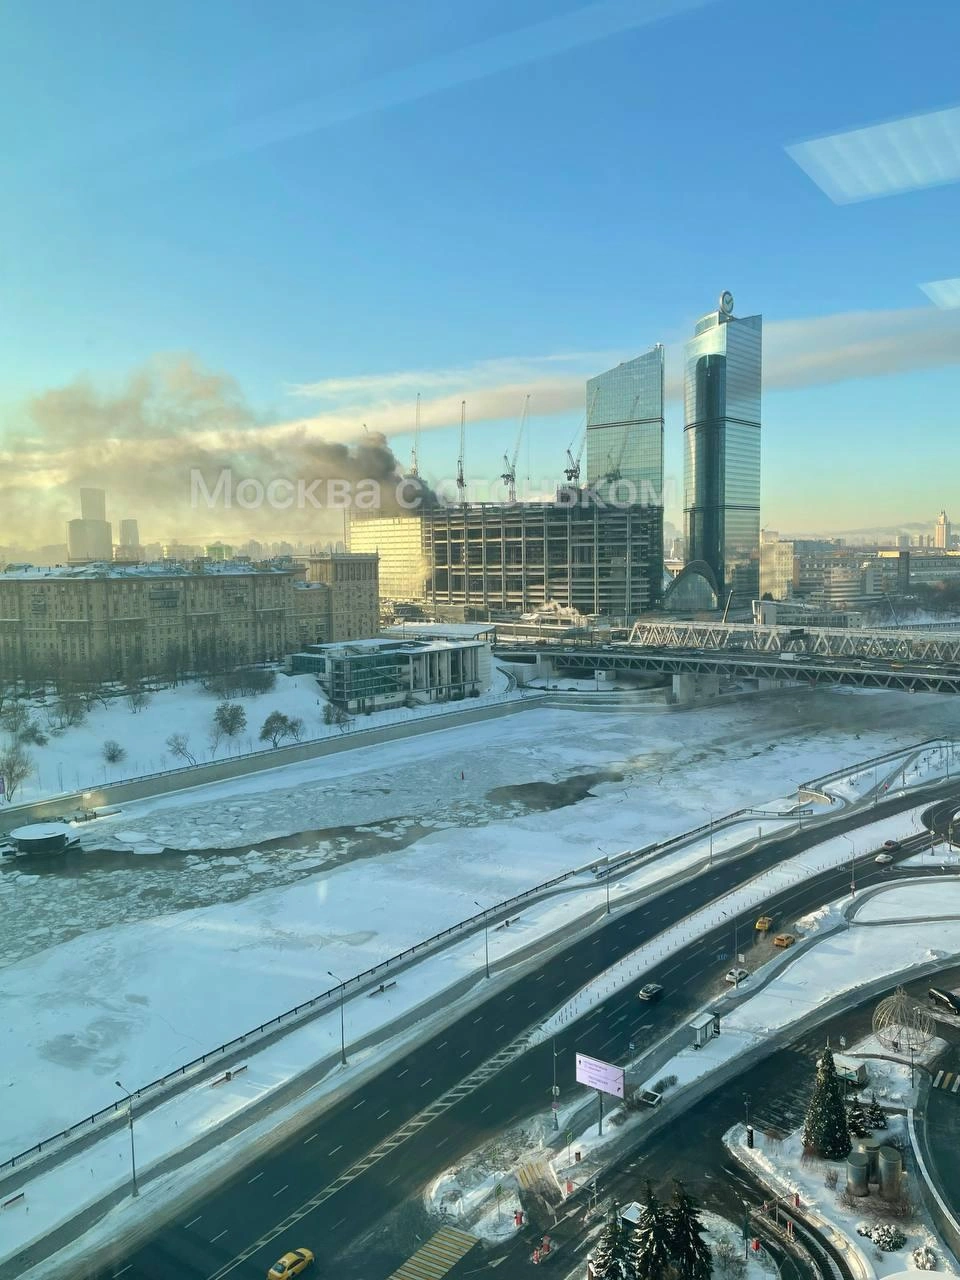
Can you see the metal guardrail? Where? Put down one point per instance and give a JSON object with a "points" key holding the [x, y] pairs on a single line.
{"points": [[876, 761], [276, 754], [358, 979], [333, 992]]}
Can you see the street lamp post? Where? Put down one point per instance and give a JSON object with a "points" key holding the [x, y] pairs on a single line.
{"points": [[486, 941], [746, 1229], [555, 1091], [343, 1042], [708, 812], [135, 1190], [853, 852]]}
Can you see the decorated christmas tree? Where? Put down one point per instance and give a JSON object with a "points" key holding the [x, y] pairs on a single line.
{"points": [[691, 1253], [825, 1131]]}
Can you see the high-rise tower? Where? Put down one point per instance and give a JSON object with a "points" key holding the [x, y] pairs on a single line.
{"points": [[721, 468], [625, 430]]}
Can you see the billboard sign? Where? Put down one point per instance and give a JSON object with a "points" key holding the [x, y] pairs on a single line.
{"points": [[600, 1075]]}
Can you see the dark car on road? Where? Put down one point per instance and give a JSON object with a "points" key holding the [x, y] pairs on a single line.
{"points": [[652, 991], [947, 1000]]}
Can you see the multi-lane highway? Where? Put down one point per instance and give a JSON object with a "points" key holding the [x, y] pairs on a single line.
{"points": [[330, 1183]]}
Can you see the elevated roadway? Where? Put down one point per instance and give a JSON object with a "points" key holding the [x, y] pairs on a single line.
{"points": [[927, 675], [329, 1182]]}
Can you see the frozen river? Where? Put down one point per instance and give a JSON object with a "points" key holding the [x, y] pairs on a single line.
{"points": [[553, 786]]}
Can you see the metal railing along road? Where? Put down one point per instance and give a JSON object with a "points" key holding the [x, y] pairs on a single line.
{"points": [[607, 862]]}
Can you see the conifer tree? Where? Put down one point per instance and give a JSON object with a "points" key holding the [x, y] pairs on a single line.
{"points": [[825, 1131], [610, 1259], [858, 1125], [650, 1251], [876, 1116], [692, 1256]]}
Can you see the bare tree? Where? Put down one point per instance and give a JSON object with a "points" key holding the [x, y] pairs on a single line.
{"points": [[178, 744], [15, 767], [113, 753], [137, 700]]}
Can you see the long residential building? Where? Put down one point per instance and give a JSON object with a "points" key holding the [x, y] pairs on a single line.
{"points": [[577, 552], [112, 621]]}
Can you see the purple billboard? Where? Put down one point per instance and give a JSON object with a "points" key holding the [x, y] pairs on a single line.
{"points": [[600, 1075]]}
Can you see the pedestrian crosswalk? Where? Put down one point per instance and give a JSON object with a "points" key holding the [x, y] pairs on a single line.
{"points": [[439, 1255], [533, 1174], [949, 1080]]}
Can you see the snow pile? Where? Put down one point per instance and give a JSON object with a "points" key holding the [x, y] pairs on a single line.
{"points": [[783, 1166]]}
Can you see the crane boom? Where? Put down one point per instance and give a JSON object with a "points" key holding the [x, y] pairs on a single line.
{"points": [[572, 469], [461, 482], [415, 452], [509, 476]]}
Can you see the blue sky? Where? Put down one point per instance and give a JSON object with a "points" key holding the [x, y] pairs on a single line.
{"points": [[339, 205]]}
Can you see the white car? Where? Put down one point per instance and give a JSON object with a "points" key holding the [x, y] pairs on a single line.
{"points": [[736, 976], [883, 858]]}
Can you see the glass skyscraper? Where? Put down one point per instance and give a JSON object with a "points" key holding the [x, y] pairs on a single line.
{"points": [[625, 431], [721, 469]]}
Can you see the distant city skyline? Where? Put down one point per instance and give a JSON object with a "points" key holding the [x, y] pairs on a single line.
{"points": [[216, 260]]}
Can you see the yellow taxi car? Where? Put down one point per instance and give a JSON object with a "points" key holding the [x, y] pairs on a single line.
{"points": [[784, 940], [764, 924], [291, 1264]]}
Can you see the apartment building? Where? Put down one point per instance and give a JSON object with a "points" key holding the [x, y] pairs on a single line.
{"points": [[115, 621]]}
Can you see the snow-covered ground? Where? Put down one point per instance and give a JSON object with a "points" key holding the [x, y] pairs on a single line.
{"points": [[72, 758], [782, 1165], [507, 803]]}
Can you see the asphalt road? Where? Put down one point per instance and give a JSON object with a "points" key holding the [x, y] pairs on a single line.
{"points": [[252, 1218], [690, 1147]]}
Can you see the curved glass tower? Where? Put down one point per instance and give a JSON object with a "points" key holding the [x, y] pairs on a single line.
{"points": [[625, 431], [721, 467]]}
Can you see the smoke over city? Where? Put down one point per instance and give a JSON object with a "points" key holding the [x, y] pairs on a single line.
{"points": [[142, 442]]}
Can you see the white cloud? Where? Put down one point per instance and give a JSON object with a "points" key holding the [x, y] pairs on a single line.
{"points": [[814, 351], [884, 159]]}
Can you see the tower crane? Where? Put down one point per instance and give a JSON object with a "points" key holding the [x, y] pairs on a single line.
{"points": [[613, 472], [415, 451], [509, 476], [461, 482], [572, 469]]}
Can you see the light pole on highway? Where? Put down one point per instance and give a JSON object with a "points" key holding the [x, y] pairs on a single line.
{"points": [[710, 815], [486, 940], [343, 1042], [555, 1091], [135, 1190], [853, 854]]}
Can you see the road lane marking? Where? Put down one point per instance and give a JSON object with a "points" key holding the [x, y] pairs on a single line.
{"points": [[193, 1221], [487, 1107], [500, 1028], [426, 1082], [383, 1113], [219, 1237], [255, 1177], [466, 1053], [540, 977], [311, 1138], [442, 1046], [124, 1269], [403, 1073], [358, 1105], [476, 1020], [335, 1150], [281, 1191]]}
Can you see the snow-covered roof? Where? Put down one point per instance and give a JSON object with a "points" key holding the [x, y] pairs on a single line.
{"points": [[40, 831], [452, 630], [155, 569]]}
